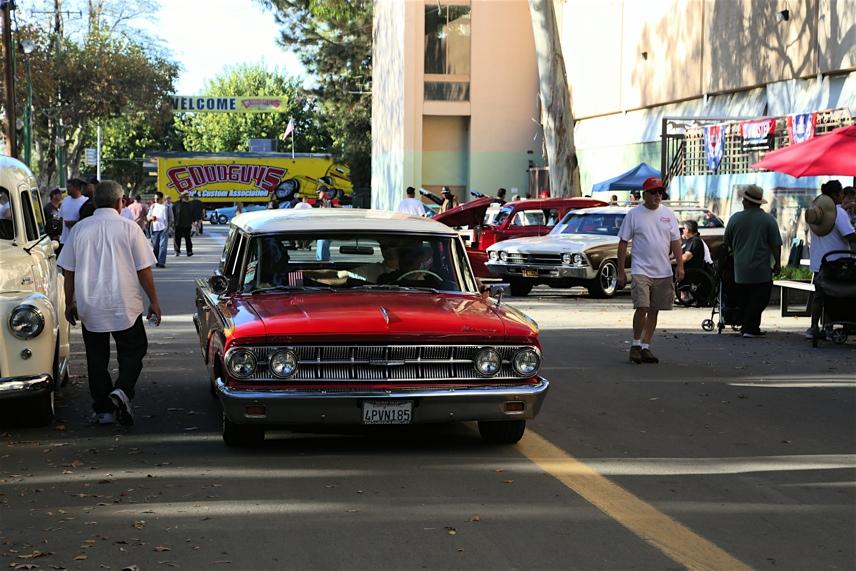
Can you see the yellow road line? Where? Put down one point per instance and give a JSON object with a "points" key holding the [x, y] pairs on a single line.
{"points": [[675, 540]]}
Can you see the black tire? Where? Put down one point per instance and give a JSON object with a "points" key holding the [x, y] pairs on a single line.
{"points": [[707, 324], [222, 219], [520, 287], [605, 284], [502, 431], [39, 410], [242, 435]]}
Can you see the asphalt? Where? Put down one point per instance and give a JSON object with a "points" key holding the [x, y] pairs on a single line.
{"points": [[748, 443]]}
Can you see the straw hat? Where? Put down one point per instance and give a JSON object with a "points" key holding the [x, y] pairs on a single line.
{"points": [[820, 216], [752, 193]]}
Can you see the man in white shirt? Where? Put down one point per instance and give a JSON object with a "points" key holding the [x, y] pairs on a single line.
{"points": [[158, 217], [113, 252], [653, 229], [69, 209], [299, 204], [411, 205]]}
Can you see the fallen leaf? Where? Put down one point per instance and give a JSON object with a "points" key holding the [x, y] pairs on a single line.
{"points": [[475, 518], [81, 558], [140, 524], [35, 555], [508, 481], [162, 548], [451, 530]]}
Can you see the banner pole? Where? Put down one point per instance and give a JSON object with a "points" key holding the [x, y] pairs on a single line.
{"points": [[292, 145]]}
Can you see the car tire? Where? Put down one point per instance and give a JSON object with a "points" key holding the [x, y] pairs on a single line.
{"points": [[39, 410], [520, 287], [502, 431], [222, 219], [242, 435], [604, 285]]}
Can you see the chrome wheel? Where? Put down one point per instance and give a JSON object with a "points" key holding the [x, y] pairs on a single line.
{"points": [[604, 285]]}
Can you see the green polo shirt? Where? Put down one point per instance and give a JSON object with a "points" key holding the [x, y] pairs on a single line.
{"points": [[752, 235]]}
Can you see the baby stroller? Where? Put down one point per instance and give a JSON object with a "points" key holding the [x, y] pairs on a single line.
{"points": [[726, 301], [837, 286]]}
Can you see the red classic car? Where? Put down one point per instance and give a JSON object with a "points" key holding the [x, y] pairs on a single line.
{"points": [[341, 316], [519, 219]]}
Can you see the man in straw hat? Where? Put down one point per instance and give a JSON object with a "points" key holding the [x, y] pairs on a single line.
{"points": [[829, 229], [755, 242]]}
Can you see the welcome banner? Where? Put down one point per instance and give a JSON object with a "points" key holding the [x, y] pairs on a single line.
{"points": [[228, 104]]}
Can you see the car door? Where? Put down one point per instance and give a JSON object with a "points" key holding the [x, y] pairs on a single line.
{"points": [[209, 316], [42, 256]]}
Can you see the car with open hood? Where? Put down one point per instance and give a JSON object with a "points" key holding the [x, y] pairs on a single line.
{"points": [[343, 316], [582, 250], [34, 334], [517, 219]]}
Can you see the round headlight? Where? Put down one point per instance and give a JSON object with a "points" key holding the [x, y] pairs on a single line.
{"points": [[503, 256], [241, 363], [283, 364], [26, 322], [577, 259], [488, 362], [566, 259], [527, 362], [493, 255]]}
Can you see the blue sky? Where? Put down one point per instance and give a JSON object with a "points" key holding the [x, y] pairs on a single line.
{"points": [[207, 36]]}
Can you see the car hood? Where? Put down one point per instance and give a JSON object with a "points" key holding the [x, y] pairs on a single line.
{"points": [[469, 214], [376, 316], [554, 243], [17, 269]]}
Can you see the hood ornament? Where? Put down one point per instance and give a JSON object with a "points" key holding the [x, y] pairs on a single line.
{"points": [[385, 313]]}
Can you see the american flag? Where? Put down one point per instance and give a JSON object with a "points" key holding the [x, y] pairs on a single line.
{"points": [[295, 279]]}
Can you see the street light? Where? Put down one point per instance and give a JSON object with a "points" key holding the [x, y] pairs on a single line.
{"points": [[27, 46]]}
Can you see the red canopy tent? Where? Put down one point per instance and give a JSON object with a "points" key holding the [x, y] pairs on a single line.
{"points": [[833, 154]]}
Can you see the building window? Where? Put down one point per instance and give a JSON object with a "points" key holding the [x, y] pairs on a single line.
{"points": [[447, 52]]}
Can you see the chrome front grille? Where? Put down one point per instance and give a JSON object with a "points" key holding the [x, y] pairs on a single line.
{"points": [[545, 259], [385, 363]]}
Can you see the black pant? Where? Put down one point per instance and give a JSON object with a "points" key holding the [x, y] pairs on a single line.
{"points": [[753, 298], [131, 347], [183, 232]]}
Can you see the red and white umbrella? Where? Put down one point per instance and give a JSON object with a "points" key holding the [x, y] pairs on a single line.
{"points": [[832, 154]]}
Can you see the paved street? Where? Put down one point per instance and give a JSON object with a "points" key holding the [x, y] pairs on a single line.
{"points": [[731, 453]]}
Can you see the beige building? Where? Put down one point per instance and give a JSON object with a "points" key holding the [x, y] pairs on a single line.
{"points": [[456, 95]]}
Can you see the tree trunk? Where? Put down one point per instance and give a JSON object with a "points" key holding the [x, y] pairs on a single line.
{"points": [[556, 114]]}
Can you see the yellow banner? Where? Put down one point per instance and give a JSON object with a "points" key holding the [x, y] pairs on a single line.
{"points": [[226, 104]]}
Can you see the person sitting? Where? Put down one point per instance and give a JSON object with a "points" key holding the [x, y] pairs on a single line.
{"points": [[370, 273], [697, 285], [414, 265]]}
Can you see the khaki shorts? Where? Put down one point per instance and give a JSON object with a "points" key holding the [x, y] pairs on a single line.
{"points": [[652, 293]]}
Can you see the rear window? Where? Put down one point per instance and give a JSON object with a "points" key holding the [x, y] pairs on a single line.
{"points": [[704, 218]]}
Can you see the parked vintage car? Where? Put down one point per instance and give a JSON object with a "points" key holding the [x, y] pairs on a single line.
{"points": [[34, 334], [343, 316], [223, 214], [582, 250], [518, 219]]}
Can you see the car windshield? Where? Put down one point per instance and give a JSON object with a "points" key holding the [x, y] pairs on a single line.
{"points": [[704, 218], [367, 261], [603, 223], [7, 220]]}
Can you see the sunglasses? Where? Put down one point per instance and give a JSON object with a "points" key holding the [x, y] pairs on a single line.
{"points": [[659, 191]]}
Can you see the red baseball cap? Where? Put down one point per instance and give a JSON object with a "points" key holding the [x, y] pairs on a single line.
{"points": [[653, 183]]}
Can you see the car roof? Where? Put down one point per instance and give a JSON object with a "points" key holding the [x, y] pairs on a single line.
{"points": [[556, 202], [626, 209], [337, 219]]}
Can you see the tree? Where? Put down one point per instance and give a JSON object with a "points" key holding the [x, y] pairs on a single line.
{"points": [[231, 131], [556, 113], [333, 39]]}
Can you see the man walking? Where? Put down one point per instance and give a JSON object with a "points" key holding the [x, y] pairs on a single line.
{"points": [[411, 205], [113, 252], [69, 209], [139, 212], [183, 216], [752, 236], [198, 214], [88, 190], [159, 219], [653, 230]]}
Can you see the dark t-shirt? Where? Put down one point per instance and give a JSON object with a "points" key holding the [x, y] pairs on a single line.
{"points": [[695, 246], [88, 209], [53, 221]]}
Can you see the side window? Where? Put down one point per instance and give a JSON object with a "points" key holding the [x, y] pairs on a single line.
{"points": [[29, 217], [233, 264], [227, 248], [38, 210], [7, 218]]}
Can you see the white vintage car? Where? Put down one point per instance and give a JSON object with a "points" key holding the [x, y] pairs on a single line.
{"points": [[34, 334]]}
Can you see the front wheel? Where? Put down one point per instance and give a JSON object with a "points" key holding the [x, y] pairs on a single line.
{"points": [[605, 284], [502, 431], [521, 288], [242, 435], [222, 219], [40, 410]]}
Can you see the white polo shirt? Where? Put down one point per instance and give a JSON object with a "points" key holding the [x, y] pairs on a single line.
{"points": [[411, 206], [159, 211], [105, 252], [69, 211]]}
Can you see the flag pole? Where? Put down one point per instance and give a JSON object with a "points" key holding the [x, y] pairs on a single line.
{"points": [[292, 145]]}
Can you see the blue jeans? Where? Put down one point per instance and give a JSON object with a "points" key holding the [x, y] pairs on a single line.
{"points": [[322, 250], [159, 242]]}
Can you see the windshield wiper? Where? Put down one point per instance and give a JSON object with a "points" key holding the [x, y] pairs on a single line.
{"points": [[394, 287], [291, 288]]}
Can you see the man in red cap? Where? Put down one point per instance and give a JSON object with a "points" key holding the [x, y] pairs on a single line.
{"points": [[653, 229]]}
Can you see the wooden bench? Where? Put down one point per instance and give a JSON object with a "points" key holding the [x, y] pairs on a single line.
{"points": [[787, 286]]}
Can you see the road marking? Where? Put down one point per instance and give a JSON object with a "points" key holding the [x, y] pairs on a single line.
{"points": [[676, 541]]}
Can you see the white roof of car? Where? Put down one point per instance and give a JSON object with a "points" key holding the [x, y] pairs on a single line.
{"points": [[336, 220]]}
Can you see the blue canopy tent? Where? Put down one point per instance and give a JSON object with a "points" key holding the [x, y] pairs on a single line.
{"points": [[631, 180]]}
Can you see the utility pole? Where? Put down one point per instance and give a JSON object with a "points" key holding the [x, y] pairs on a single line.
{"points": [[9, 75]]}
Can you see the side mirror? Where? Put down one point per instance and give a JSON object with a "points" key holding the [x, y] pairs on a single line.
{"points": [[498, 290], [54, 245], [218, 284]]}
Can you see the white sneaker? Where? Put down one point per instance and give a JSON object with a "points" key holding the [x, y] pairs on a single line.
{"points": [[103, 418], [124, 411]]}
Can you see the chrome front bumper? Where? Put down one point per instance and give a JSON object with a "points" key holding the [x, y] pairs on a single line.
{"points": [[32, 385], [435, 405], [553, 272]]}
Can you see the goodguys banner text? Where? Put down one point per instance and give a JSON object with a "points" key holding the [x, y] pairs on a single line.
{"points": [[221, 179]]}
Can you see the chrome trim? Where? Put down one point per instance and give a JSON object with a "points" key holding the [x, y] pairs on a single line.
{"points": [[544, 271], [29, 385], [38, 312]]}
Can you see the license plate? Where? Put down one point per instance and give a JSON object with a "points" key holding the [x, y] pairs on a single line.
{"points": [[387, 412], [530, 273]]}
